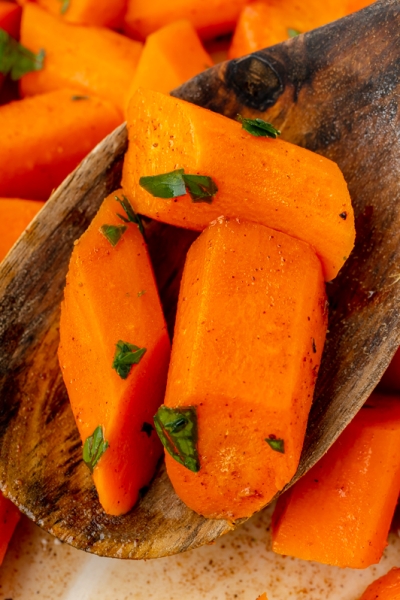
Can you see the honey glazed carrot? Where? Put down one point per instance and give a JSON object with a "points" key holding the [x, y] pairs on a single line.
{"points": [[264, 23], [101, 13], [211, 18], [259, 179], [15, 216], [114, 353], [339, 513], [95, 60], [386, 587], [170, 56], [47, 136], [10, 18], [248, 340]]}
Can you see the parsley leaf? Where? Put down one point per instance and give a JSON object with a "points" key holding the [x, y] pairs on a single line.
{"points": [[166, 185], [126, 355], [133, 217], [258, 127], [293, 32], [276, 444], [113, 233], [94, 448], [17, 60], [64, 6], [177, 430], [200, 188]]}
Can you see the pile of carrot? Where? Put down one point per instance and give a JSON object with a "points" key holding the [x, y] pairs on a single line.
{"points": [[231, 406]]}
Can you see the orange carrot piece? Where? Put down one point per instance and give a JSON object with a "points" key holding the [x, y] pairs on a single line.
{"points": [[111, 296], [9, 517], [384, 588], [340, 512], [47, 137], [10, 18], [268, 181], [390, 381], [94, 60], [267, 22], [15, 216], [170, 56], [248, 341], [100, 13], [211, 18]]}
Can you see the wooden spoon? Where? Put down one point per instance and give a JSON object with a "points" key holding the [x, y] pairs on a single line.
{"points": [[334, 90]]}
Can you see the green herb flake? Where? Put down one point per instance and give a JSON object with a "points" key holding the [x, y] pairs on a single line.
{"points": [[200, 188], [177, 430], [64, 6], [133, 217], [16, 60], [166, 185], [276, 444], [113, 233], [126, 355], [94, 448], [78, 98], [141, 293], [293, 32], [258, 127]]}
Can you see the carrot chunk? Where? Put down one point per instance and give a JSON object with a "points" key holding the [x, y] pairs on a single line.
{"points": [[340, 512], [384, 588], [9, 517], [94, 60], [259, 179], [211, 18], [15, 216], [248, 340], [114, 355], [170, 56], [47, 137], [268, 22], [101, 13], [10, 18]]}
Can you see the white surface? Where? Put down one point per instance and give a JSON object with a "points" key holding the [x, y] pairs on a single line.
{"points": [[238, 566]]}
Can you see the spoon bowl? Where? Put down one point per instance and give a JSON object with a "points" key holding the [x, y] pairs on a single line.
{"points": [[335, 91]]}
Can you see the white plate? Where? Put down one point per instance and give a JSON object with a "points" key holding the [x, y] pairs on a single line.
{"points": [[239, 566]]}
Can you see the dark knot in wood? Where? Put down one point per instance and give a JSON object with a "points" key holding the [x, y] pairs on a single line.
{"points": [[255, 81]]}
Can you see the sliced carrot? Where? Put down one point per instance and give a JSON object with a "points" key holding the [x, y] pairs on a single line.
{"points": [[384, 588], [10, 18], [15, 216], [170, 56], [268, 22], [101, 13], [265, 23], [9, 517], [263, 180], [111, 298], [94, 60], [47, 136], [248, 341], [211, 18], [340, 512]]}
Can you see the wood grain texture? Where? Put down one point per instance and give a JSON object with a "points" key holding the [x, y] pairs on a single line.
{"points": [[335, 91]]}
